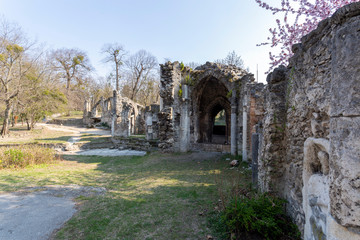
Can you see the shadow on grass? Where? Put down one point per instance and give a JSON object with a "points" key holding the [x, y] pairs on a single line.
{"points": [[95, 139], [158, 196], [57, 139]]}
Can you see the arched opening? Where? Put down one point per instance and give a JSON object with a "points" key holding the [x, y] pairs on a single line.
{"points": [[214, 112], [219, 133]]}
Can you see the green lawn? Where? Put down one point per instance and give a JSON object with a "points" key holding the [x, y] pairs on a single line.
{"points": [[159, 196]]}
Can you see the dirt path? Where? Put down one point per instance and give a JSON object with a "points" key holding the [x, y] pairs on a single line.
{"points": [[76, 130], [35, 213]]}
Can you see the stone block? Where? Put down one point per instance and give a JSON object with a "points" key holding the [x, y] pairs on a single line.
{"points": [[345, 170]]}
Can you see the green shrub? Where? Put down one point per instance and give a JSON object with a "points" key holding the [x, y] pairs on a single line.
{"points": [[262, 213], [20, 157], [14, 157]]}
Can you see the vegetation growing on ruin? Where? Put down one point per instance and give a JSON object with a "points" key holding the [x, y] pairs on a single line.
{"points": [[180, 91], [189, 80], [182, 66], [229, 94]]}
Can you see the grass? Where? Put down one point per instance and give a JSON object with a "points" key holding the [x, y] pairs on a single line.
{"points": [[73, 114], [92, 138], [159, 196], [20, 135]]}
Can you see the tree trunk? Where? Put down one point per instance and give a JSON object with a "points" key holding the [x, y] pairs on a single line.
{"points": [[5, 127], [28, 124]]}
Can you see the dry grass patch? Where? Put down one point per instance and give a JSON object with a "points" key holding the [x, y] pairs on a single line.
{"points": [[24, 156], [20, 135]]}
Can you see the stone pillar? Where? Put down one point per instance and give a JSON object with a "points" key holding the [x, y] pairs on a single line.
{"points": [[87, 109], [233, 123], [255, 151], [185, 121], [149, 130], [170, 76], [161, 103], [113, 125], [244, 135]]}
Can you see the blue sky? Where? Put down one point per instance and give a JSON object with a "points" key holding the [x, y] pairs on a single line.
{"points": [[188, 31]]}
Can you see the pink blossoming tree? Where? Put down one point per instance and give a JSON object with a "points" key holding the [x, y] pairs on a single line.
{"points": [[299, 18]]}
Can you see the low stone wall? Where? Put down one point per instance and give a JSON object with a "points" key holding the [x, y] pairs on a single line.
{"points": [[135, 143], [208, 147], [67, 122]]}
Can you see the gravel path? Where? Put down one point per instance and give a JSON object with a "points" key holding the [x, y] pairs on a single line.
{"points": [[34, 213]]}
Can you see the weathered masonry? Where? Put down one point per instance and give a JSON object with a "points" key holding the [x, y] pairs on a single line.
{"points": [[310, 152], [207, 108], [125, 117]]}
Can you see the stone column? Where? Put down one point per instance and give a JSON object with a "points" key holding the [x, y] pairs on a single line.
{"points": [[161, 103], [254, 155], [149, 130], [87, 109], [233, 123], [244, 135], [185, 121]]}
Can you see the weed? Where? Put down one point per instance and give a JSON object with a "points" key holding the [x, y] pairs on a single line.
{"points": [[260, 214], [180, 91], [17, 157], [182, 66]]}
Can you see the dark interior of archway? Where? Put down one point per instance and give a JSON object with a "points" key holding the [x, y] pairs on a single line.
{"points": [[213, 100]]}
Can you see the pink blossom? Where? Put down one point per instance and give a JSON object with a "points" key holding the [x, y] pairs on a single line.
{"points": [[307, 16]]}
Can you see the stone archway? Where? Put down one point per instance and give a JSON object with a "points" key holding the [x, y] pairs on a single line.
{"points": [[211, 98], [190, 101]]}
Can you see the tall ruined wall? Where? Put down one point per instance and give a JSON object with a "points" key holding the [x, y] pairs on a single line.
{"points": [[170, 78], [311, 143], [128, 117]]}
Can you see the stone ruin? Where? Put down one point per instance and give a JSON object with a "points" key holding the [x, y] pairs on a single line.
{"points": [[310, 136], [301, 131], [191, 100], [124, 116]]}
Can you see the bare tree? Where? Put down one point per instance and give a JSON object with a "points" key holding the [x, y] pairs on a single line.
{"points": [[141, 66], [114, 54], [232, 59], [192, 65], [72, 64], [40, 96], [14, 64]]}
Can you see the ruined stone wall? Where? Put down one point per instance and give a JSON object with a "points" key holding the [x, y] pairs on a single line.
{"points": [[128, 117], [152, 121], [311, 136], [254, 94], [124, 116], [169, 84], [190, 100]]}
